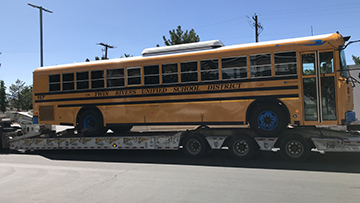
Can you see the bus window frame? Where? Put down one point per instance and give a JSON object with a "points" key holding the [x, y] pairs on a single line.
{"points": [[197, 72], [271, 65], [127, 76], [111, 78], [91, 80], [60, 85], [88, 80], [67, 82], [211, 70], [297, 63], [143, 75], [165, 74], [244, 67]]}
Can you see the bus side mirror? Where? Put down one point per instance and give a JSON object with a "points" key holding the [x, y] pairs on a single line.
{"points": [[359, 75]]}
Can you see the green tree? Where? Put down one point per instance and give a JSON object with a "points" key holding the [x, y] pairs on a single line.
{"points": [[179, 37], [26, 98], [15, 92], [356, 59], [3, 101]]}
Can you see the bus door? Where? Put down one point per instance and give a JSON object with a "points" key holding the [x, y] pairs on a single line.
{"points": [[318, 78]]}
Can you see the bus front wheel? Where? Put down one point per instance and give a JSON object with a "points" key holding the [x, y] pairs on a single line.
{"points": [[91, 123]]}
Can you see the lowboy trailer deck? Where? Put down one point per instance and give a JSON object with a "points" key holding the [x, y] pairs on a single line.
{"points": [[295, 144]]}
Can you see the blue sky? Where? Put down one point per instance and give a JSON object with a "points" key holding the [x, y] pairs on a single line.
{"points": [[76, 26]]}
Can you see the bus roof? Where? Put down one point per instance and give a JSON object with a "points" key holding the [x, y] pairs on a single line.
{"points": [[198, 47]]}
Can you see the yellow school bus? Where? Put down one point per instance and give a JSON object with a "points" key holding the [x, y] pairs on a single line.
{"points": [[269, 85]]}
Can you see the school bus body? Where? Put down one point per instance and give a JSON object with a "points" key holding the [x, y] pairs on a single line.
{"points": [[219, 102]]}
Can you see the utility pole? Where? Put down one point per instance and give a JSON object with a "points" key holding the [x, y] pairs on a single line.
{"points": [[106, 48], [41, 32], [312, 33], [258, 27]]}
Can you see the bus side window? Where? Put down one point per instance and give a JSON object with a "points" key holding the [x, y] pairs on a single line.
{"points": [[115, 78], [189, 72], [54, 83], [82, 80], [68, 81], [209, 70], [97, 79], [234, 68], [326, 62], [151, 75], [133, 75], [285, 63], [169, 73], [260, 65]]}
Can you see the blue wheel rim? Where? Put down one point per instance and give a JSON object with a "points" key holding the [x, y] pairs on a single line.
{"points": [[268, 120], [89, 122]]}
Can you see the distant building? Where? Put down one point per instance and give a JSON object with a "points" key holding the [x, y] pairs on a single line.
{"points": [[354, 72]]}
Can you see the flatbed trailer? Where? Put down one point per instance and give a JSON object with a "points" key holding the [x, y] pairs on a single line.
{"points": [[295, 144]]}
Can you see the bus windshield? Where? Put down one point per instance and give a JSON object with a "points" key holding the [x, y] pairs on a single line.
{"points": [[343, 67]]}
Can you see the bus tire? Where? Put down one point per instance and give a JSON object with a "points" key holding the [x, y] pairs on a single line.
{"points": [[195, 146], [242, 147], [294, 148], [91, 123], [268, 120]]}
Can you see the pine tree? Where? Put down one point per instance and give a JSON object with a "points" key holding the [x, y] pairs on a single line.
{"points": [[15, 94], [179, 37]]}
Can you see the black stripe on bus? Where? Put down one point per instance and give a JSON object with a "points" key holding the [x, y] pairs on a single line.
{"points": [[68, 124], [171, 85], [181, 100], [177, 123], [171, 94]]}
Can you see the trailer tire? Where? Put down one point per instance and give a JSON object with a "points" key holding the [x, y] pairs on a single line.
{"points": [[91, 122], [195, 146], [294, 148], [268, 120], [242, 147]]}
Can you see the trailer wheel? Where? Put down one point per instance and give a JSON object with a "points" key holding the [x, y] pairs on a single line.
{"points": [[242, 147], [294, 148], [195, 146], [91, 123], [268, 120]]}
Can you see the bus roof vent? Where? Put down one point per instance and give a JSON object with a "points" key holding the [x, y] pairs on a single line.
{"points": [[190, 47]]}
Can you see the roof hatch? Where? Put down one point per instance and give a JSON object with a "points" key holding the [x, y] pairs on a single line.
{"points": [[173, 49]]}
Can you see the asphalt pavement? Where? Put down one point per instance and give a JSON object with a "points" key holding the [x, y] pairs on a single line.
{"points": [[169, 176]]}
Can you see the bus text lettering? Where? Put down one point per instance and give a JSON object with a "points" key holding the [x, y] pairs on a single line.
{"points": [[153, 90], [125, 92], [224, 86], [192, 88], [101, 94]]}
